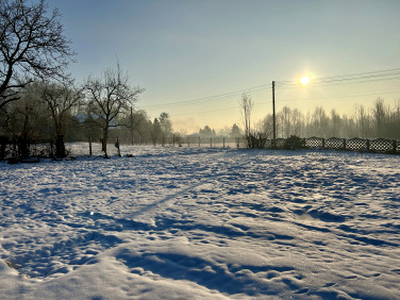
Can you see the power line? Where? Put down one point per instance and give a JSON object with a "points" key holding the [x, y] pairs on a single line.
{"points": [[209, 111], [381, 75], [222, 96], [262, 103], [361, 75], [258, 104], [339, 97], [388, 74]]}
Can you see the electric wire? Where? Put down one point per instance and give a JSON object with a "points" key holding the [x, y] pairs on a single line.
{"points": [[388, 74], [355, 78], [257, 104], [222, 96], [339, 97]]}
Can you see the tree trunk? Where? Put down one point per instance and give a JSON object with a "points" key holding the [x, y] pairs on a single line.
{"points": [[24, 141], [3, 145], [60, 146], [105, 140]]}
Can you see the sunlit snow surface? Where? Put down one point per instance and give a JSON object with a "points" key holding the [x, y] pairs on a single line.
{"points": [[202, 223]]}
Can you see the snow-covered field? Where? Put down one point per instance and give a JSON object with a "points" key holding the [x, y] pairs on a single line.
{"points": [[205, 223]]}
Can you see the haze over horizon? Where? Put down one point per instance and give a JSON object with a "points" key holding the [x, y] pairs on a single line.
{"points": [[196, 58]]}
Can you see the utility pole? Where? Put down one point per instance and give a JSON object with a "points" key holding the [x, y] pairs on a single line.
{"points": [[273, 116]]}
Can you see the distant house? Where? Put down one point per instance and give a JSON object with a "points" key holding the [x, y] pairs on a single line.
{"points": [[83, 117]]}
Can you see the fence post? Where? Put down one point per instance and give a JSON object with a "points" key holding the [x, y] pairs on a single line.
{"points": [[394, 146], [211, 142], [344, 144], [323, 143], [188, 141], [117, 146], [3, 145], [223, 142], [368, 145], [90, 146], [199, 142]]}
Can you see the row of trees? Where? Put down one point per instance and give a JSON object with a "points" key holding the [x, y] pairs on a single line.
{"points": [[39, 102], [100, 110], [233, 131], [54, 111], [37, 98], [32, 45], [137, 128], [380, 120]]}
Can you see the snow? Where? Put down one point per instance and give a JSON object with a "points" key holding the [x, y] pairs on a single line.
{"points": [[201, 223]]}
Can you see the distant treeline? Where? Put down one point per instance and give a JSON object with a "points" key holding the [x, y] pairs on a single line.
{"points": [[379, 121], [31, 118], [52, 113]]}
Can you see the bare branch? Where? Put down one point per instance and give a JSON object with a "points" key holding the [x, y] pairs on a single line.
{"points": [[110, 97], [32, 42]]}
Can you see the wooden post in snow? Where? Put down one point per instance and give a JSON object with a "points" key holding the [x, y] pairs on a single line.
{"points": [[90, 146]]}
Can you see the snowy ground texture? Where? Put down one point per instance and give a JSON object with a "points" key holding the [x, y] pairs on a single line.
{"points": [[202, 223]]}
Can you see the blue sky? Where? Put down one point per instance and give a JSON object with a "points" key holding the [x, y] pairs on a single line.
{"points": [[191, 50]]}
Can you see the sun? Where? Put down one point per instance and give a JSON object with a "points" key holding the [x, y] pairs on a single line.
{"points": [[305, 80]]}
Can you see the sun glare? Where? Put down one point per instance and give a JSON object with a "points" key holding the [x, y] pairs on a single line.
{"points": [[305, 80]]}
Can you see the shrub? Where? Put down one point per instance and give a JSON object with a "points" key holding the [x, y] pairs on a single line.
{"points": [[257, 140], [294, 142]]}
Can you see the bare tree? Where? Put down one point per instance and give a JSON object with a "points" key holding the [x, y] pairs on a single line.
{"points": [[60, 99], [28, 121], [363, 121], [266, 125], [320, 122], [256, 138], [335, 124], [246, 106], [396, 120], [285, 121], [297, 122], [31, 43], [380, 113], [109, 97]]}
